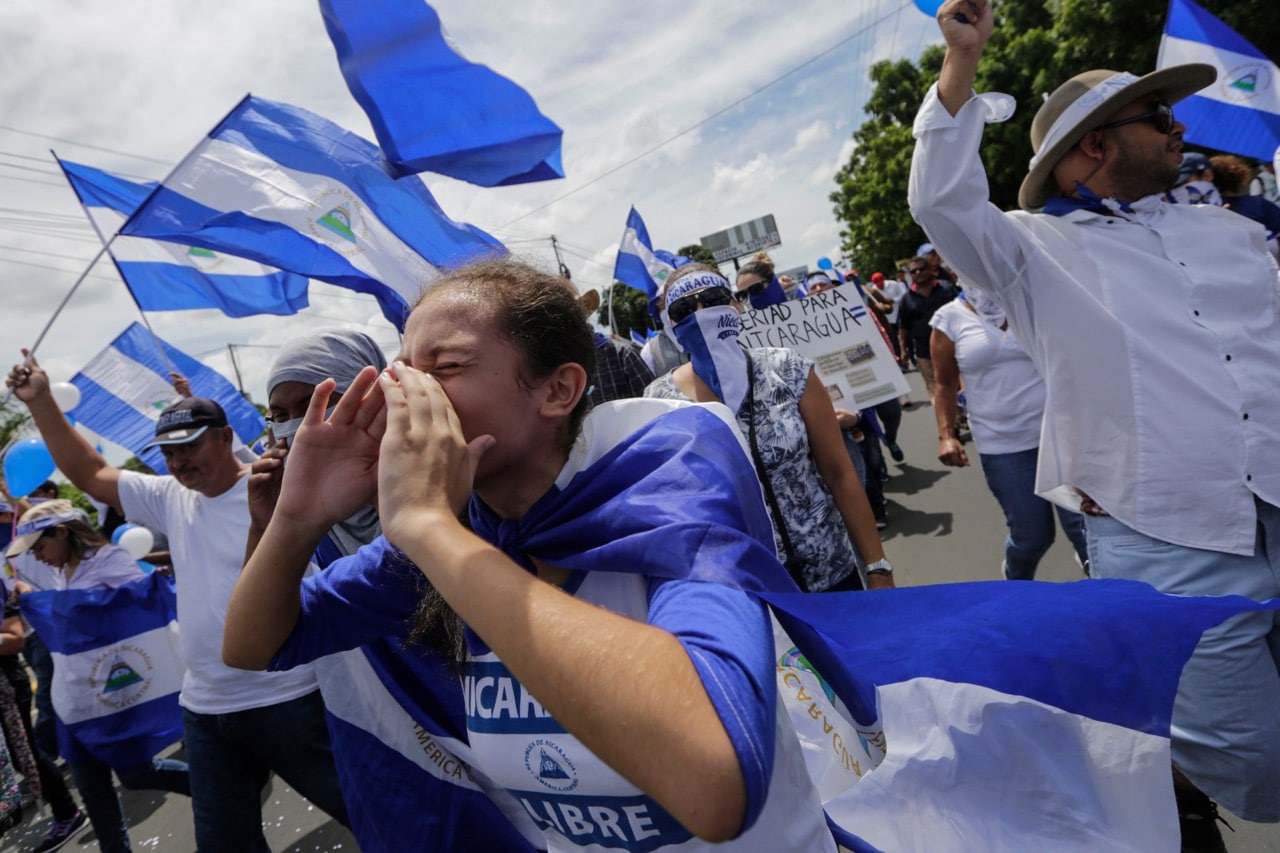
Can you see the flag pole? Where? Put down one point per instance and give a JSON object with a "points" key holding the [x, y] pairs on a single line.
{"points": [[31, 353]]}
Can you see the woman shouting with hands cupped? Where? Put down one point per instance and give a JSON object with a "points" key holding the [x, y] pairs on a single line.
{"points": [[602, 580]]}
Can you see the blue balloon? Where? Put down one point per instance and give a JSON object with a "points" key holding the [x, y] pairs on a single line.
{"points": [[929, 7], [120, 531], [27, 464], [824, 263]]}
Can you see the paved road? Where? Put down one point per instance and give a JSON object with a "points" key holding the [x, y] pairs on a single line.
{"points": [[944, 526]]}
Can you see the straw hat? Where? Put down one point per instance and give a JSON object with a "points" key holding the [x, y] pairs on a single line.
{"points": [[1086, 101]]}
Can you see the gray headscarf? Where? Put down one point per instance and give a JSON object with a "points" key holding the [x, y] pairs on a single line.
{"points": [[311, 359]]}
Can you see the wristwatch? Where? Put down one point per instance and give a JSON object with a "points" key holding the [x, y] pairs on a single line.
{"points": [[881, 566]]}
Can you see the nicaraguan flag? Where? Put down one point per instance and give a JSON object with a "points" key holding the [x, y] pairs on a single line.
{"points": [[1240, 112], [431, 109], [1006, 717], [637, 265], [170, 277], [396, 719], [126, 386], [288, 188], [118, 668]]}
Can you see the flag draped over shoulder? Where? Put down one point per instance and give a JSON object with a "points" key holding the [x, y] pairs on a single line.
{"points": [[118, 667], [637, 265], [396, 720], [288, 188], [431, 109], [1240, 111], [171, 277], [124, 388], [1006, 715]]}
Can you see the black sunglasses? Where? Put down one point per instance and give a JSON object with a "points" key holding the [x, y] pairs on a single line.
{"points": [[707, 297], [751, 290], [1161, 117]]}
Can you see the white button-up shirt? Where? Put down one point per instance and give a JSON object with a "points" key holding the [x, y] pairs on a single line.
{"points": [[1157, 334]]}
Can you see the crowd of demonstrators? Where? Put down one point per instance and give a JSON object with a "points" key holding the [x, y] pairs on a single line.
{"points": [[59, 535], [238, 727], [486, 412], [1179, 303], [928, 292], [822, 520], [972, 341]]}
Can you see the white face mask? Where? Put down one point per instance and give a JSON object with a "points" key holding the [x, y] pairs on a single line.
{"points": [[284, 431]]}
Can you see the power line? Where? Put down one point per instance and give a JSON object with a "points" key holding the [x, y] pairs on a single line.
{"points": [[103, 148], [55, 269], [784, 75]]}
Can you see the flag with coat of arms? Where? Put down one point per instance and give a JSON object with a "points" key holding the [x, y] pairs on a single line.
{"points": [[118, 668]]}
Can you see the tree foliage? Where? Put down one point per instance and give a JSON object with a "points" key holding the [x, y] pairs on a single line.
{"points": [[1036, 45], [630, 310], [699, 253]]}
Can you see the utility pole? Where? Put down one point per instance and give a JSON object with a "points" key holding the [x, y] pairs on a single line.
{"points": [[555, 247], [236, 367]]}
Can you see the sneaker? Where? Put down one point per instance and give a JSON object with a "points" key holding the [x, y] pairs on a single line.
{"points": [[896, 452], [61, 832], [1198, 819], [882, 517]]}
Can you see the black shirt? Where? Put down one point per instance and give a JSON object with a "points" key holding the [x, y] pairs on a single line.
{"points": [[916, 310]]}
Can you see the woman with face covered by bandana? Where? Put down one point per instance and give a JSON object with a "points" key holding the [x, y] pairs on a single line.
{"points": [[820, 511], [1005, 400]]}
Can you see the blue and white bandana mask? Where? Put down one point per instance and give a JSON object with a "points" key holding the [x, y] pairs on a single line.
{"points": [[988, 309], [710, 336]]}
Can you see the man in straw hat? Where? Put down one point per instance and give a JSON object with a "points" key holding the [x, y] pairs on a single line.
{"points": [[1155, 327]]}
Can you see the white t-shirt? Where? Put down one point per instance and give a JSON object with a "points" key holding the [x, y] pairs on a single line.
{"points": [[893, 289], [207, 538], [1005, 393], [105, 568]]}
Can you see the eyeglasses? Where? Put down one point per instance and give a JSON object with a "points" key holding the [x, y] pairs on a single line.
{"points": [[750, 290], [1161, 117], [707, 297]]}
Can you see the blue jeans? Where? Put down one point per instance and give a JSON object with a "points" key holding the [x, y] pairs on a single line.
{"points": [[93, 779], [1012, 479], [46, 726], [1226, 729], [232, 755]]}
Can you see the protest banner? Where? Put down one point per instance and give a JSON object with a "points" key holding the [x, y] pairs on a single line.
{"points": [[836, 330]]}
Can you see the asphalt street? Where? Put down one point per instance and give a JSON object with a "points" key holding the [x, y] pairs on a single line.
{"points": [[944, 526]]}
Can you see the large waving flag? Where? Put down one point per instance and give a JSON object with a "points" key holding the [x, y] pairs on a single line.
{"points": [[1004, 716], [126, 386], [1240, 112], [637, 265], [431, 109], [288, 188], [119, 667], [169, 277]]}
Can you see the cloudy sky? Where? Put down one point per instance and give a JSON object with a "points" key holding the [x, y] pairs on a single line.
{"points": [[702, 115]]}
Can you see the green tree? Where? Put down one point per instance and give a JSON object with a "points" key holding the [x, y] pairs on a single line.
{"points": [[1036, 45], [699, 253], [630, 310]]}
